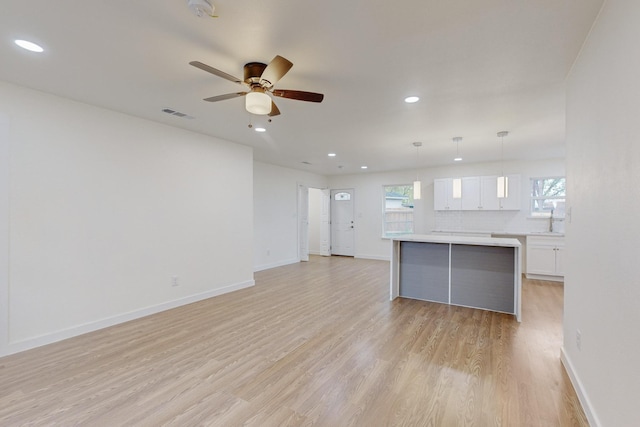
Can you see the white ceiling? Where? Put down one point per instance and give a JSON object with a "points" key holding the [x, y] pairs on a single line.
{"points": [[479, 66]]}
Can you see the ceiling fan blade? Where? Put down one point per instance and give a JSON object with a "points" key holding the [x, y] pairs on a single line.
{"points": [[274, 110], [226, 96], [299, 95], [277, 68], [215, 72]]}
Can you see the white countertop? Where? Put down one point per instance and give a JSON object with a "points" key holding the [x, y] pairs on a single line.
{"points": [[461, 240], [503, 233]]}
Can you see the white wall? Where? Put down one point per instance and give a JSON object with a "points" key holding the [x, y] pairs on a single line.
{"points": [[602, 283], [104, 209], [276, 212], [368, 202]]}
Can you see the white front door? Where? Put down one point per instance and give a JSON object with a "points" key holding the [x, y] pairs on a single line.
{"points": [[342, 226]]}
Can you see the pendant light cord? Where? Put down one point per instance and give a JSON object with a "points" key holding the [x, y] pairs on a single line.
{"points": [[417, 145], [502, 156]]}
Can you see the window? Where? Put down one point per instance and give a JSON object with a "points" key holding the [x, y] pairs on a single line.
{"points": [[339, 197], [548, 196], [398, 210]]}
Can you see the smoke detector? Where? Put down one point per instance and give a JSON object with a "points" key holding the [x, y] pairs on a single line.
{"points": [[201, 7]]}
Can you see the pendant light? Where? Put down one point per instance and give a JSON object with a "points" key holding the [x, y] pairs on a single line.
{"points": [[417, 187], [457, 182], [503, 181], [457, 140]]}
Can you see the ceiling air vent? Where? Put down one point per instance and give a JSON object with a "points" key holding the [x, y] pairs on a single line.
{"points": [[177, 113]]}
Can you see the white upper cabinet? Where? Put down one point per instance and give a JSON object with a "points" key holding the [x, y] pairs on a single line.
{"points": [[478, 193], [443, 199], [471, 193], [512, 201]]}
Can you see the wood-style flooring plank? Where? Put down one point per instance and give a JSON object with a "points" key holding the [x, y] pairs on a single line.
{"points": [[312, 344]]}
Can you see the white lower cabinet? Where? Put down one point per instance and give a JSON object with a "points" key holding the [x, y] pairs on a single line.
{"points": [[545, 258]]}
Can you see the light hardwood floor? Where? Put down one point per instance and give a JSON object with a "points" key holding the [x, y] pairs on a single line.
{"points": [[315, 343]]}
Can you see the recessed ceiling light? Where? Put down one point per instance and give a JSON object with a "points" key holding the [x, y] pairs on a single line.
{"points": [[363, 167], [331, 154], [457, 159], [411, 99], [29, 46], [261, 130]]}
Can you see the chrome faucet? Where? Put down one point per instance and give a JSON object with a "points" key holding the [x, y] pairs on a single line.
{"points": [[551, 222]]}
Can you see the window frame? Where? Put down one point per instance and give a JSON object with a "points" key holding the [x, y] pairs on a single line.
{"points": [[386, 233], [533, 199]]}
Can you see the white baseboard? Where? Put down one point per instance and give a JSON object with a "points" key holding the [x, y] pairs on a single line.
{"points": [[294, 261], [376, 257], [545, 277], [580, 391], [29, 343], [275, 264]]}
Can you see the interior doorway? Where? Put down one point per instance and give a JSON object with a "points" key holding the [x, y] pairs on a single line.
{"points": [[303, 222], [325, 222], [314, 227]]}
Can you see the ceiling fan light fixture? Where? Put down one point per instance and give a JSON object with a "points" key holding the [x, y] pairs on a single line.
{"points": [[201, 7], [258, 103]]}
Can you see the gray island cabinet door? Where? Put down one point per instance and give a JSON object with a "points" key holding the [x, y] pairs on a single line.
{"points": [[482, 277], [424, 271]]}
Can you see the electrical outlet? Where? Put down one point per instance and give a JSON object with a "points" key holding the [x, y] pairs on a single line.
{"points": [[579, 339], [268, 252], [174, 281]]}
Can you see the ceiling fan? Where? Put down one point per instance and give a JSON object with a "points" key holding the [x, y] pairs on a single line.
{"points": [[261, 78]]}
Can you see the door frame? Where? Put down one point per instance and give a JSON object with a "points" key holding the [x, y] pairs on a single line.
{"points": [[303, 222], [4, 235], [325, 223]]}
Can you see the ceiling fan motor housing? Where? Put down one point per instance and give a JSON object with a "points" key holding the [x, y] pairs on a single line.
{"points": [[200, 7], [253, 71]]}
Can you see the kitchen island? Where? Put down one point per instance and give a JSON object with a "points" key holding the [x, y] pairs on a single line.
{"points": [[478, 272]]}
